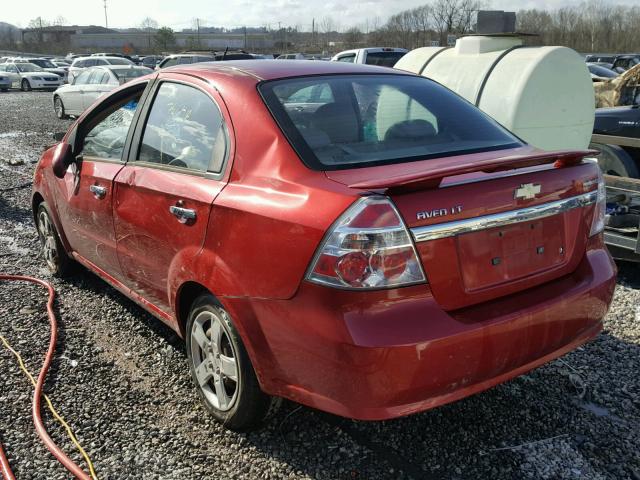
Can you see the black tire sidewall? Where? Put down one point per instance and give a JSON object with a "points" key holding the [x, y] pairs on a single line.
{"points": [[62, 113], [23, 83]]}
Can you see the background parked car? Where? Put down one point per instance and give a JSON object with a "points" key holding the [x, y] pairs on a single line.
{"points": [[27, 76], [150, 61], [622, 63], [47, 65], [183, 59], [382, 56], [5, 81], [81, 63], [291, 56], [91, 84], [600, 73]]}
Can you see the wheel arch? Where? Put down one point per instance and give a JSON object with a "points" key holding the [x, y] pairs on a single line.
{"points": [[185, 296], [244, 320], [36, 200]]}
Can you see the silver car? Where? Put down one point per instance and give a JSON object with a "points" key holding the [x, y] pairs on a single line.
{"points": [[91, 84], [28, 76]]}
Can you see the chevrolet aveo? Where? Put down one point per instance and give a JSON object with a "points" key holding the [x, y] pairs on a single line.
{"points": [[353, 238]]}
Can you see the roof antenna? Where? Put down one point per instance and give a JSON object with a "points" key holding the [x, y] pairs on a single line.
{"points": [[225, 52]]}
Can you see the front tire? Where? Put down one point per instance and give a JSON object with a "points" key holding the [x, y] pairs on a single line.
{"points": [[55, 256], [58, 107], [221, 369], [25, 86]]}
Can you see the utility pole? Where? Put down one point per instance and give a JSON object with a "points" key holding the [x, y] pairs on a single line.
{"points": [[198, 27], [313, 32], [106, 22], [245, 38]]}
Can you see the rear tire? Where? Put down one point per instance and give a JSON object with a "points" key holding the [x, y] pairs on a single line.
{"points": [[4, 89], [615, 160], [58, 107], [25, 86], [55, 256], [221, 369]]}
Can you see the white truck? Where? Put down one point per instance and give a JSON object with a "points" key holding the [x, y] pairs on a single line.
{"points": [[383, 56]]}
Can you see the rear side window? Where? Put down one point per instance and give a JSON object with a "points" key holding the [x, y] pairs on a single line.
{"points": [[379, 119], [184, 130]]}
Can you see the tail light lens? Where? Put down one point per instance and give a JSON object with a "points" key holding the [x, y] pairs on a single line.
{"points": [[597, 224], [368, 247]]}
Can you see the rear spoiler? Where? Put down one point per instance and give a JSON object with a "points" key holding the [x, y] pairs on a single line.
{"points": [[447, 167]]}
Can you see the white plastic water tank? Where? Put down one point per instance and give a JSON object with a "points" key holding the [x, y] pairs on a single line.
{"points": [[542, 94]]}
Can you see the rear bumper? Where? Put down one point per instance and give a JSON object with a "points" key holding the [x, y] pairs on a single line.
{"points": [[385, 354]]}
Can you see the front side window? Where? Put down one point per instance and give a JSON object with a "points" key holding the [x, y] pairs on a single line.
{"points": [[106, 139], [184, 130], [380, 119], [184, 60]]}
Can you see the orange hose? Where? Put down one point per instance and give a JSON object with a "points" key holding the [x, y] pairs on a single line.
{"points": [[37, 394]]}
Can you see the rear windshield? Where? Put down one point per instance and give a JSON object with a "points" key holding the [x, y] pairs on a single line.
{"points": [[347, 121], [383, 59]]}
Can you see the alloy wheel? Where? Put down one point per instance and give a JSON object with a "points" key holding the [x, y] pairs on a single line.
{"points": [[48, 240], [215, 360]]}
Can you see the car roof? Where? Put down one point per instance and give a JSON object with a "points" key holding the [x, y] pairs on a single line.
{"points": [[262, 70]]}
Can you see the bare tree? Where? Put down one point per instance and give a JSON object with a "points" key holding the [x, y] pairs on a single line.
{"points": [[149, 25]]}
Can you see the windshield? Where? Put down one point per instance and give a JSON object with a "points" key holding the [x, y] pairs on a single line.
{"points": [[124, 75], [119, 61], [347, 121], [384, 59], [44, 63], [28, 67]]}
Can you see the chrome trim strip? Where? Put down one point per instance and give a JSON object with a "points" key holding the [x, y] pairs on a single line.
{"points": [[459, 227]]}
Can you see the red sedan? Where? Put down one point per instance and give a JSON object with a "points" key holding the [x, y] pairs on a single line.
{"points": [[353, 238]]}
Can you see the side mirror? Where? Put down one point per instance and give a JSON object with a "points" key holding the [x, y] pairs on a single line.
{"points": [[58, 136], [62, 158]]}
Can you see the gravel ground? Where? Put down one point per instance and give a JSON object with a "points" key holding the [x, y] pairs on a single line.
{"points": [[120, 378]]}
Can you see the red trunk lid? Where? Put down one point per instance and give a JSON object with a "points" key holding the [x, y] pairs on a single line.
{"points": [[494, 226]]}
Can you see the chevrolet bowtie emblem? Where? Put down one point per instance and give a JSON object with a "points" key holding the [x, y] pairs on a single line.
{"points": [[527, 191]]}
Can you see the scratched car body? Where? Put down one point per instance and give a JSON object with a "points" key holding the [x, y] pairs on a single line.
{"points": [[352, 238]]}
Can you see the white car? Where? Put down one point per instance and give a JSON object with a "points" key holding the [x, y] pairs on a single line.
{"points": [[28, 76], [48, 66], [381, 56], [91, 84], [81, 63]]}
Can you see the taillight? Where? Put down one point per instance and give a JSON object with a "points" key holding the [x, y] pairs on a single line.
{"points": [[368, 247], [597, 223]]}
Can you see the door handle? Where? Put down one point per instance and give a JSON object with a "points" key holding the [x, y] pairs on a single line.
{"points": [[184, 215], [98, 191]]}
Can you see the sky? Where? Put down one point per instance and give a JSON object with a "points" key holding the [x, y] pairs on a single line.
{"points": [[233, 13]]}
